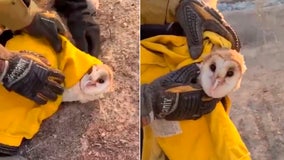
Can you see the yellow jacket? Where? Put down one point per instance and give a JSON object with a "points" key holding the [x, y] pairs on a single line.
{"points": [[213, 136], [21, 117]]}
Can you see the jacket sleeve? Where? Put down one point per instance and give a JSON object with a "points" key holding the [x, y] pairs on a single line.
{"points": [[17, 14]]}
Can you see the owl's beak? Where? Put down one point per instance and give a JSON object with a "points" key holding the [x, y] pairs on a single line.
{"points": [[93, 84], [218, 82]]}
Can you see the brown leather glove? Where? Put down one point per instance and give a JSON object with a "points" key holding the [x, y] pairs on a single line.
{"points": [[29, 75], [195, 17], [175, 96]]}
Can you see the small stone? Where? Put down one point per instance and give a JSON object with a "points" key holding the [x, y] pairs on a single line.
{"points": [[124, 24]]}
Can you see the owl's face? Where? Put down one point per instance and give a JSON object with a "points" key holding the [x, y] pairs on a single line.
{"points": [[98, 80], [220, 75]]}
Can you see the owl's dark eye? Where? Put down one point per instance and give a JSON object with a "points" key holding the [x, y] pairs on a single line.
{"points": [[213, 67], [101, 80], [230, 74]]}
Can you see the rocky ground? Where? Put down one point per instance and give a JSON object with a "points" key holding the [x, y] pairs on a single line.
{"points": [[107, 128]]}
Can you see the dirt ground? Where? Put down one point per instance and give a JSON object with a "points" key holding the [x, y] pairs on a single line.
{"points": [[257, 109], [107, 128]]}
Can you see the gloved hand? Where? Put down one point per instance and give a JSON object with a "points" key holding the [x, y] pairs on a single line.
{"points": [[89, 40], [195, 17], [29, 75], [85, 31], [175, 96], [48, 25]]}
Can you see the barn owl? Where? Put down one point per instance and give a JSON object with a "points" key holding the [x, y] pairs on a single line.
{"points": [[92, 85], [221, 72]]}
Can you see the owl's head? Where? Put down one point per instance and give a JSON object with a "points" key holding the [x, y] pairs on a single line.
{"points": [[97, 80], [221, 72]]}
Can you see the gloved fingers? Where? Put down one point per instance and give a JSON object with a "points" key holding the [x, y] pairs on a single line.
{"points": [[52, 36], [81, 43], [90, 43], [56, 76], [182, 89], [55, 87], [48, 94], [192, 105], [236, 44], [191, 22], [61, 28], [185, 75], [192, 100], [209, 106], [195, 105], [45, 27], [208, 100], [40, 99], [214, 26], [195, 50], [93, 41], [234, 39], [195, 18], [208, 103], [53, 17], [55, 80]]}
